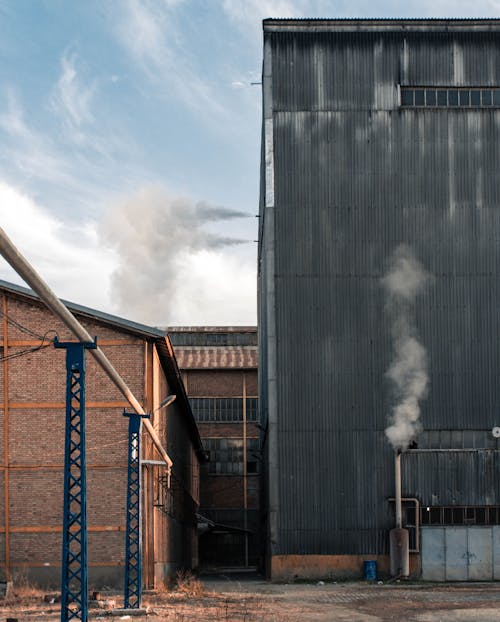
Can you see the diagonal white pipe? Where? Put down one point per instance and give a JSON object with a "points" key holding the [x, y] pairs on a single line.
{"points": [[38, 285]]}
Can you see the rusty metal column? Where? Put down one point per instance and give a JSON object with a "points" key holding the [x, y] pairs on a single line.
{"points": [[245, 493], [6, 472]]}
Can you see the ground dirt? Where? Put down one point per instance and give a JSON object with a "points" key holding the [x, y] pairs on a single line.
{"points": [[245, 598]]}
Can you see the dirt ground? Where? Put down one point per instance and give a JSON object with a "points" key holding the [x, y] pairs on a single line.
{"points": [[231, 598]]}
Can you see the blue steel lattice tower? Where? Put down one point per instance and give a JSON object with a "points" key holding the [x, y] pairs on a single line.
{"points": [[133, 558], [74, 589]]}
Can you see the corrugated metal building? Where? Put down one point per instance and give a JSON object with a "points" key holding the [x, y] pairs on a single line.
{"points": [[32, 421], [219, 369], [378, 133]]}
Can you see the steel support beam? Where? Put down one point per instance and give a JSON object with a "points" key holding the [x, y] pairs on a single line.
{"points": [[74, 588], [133, 557]]}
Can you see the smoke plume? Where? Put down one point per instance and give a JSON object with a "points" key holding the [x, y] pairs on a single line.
{"points": [[405, 278], [154, 237]]}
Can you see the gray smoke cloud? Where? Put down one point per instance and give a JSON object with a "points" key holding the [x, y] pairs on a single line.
{"points": [[404, 280], [153, 235]]}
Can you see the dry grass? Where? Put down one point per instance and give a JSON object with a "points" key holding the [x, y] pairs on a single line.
{"points": [[22, 590], [189, 585]]}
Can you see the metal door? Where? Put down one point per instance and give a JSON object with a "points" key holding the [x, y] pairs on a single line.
{"points": [[460, 553]]}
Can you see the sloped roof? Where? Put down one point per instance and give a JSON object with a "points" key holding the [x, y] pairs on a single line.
{"points": [[107, 318], [221, 357]]}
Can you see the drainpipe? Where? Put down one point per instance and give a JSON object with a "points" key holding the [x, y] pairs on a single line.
{"points": [[38, 285]]}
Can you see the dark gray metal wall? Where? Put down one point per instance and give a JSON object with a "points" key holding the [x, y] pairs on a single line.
{"points": [[354, 176]]}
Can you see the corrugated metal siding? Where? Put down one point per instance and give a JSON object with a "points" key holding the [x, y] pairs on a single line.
{"points": [[452, 478], [355, 176]]}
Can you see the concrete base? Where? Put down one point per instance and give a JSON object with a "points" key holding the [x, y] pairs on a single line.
{"points": [[314, 567], [141, 611], [49, 577]]}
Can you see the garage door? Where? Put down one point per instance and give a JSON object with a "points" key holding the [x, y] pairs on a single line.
{"points": [[460, 553]]}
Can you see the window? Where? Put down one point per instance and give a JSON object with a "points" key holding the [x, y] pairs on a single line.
{"points": [[475, 98], [430, 97], [460, 515], [486, 97], [407, 97], [442, 98], [181, 338], [419, 97], [224, 409], [450, 97], [226, 456]]}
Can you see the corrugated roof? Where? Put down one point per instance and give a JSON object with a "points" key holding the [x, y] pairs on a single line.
{"points": [[226, 357], [389, 23]]}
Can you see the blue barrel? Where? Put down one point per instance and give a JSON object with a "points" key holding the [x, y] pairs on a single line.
{"points": [[370, 570]]}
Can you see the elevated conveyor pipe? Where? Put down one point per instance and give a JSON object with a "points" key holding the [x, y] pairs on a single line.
{"points": [[38, 285]]}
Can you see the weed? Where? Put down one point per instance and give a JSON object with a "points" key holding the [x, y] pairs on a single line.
{"points": [[22, 589], [188, 585]]}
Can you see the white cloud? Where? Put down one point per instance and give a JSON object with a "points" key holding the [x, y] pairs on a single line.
{"points": [[72, 98], [69, 259], [218, 288]]}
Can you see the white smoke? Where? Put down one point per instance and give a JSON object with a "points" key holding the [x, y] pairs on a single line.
{"points": [[408, 372], [155, 238]]}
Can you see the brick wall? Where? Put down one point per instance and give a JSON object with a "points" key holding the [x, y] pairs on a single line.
{"points": [[224, 494], [35, 449]]}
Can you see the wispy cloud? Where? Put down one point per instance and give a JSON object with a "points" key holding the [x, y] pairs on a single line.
{"points": [[247, 16], [147, 31], [72, 98], [32, 153], [76, 167]]}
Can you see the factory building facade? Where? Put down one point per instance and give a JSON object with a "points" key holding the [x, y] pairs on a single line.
{"points": [[32, 421], [219, 369], [380, 144]]}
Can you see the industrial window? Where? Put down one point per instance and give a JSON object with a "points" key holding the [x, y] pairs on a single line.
{"points": [[225, 455], [460, 515], [213, 339], [450, 97], [223, 409]]}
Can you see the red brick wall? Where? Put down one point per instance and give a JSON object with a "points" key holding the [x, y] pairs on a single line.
{"points": [[226, 491], [36, 402], [215, 383]]}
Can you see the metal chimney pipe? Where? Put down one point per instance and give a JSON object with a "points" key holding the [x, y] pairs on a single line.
{"points": [[37, 284], [397, 472], [399, 537]]}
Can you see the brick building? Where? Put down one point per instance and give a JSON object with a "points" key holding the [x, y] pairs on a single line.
{"points": [[32, 419], [219, 369]]}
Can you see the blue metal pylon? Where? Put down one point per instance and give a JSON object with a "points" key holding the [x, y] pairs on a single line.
{"points": [[74, 590], [133, 558]]}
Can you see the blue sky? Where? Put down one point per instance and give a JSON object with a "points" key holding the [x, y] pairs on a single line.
{"points": [[130, 146]]}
